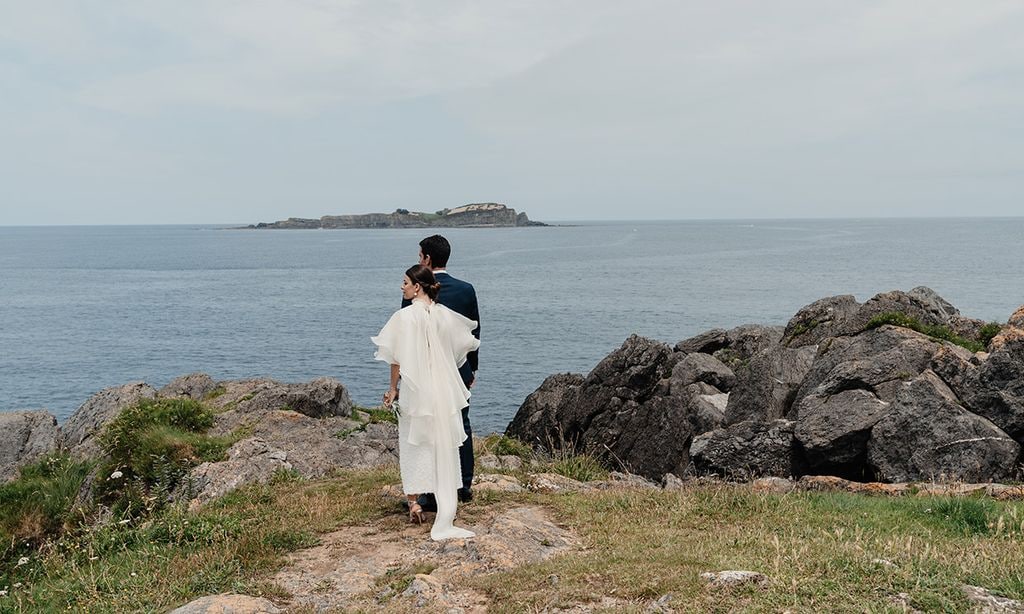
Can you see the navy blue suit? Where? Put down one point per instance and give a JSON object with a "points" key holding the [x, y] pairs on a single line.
{"points": [[460, 297]]}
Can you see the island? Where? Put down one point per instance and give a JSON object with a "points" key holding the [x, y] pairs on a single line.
{"points": [[474, 215]]}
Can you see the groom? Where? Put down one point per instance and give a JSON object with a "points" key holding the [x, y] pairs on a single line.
{"points": [[460, 297]]}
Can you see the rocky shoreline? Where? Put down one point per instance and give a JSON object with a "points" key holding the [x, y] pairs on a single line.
{"points": [[833, 393], [882, 391], [475, 215]]}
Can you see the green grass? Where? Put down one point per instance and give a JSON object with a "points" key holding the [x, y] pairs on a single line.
{"points": [[501, 445], [37, 506], [943, 333], [581, 467]]}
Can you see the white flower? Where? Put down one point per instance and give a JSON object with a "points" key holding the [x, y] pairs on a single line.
{"points": [[22, 561], [3, 593], [116, 475], [125, 521], [134, 574], [17, 585]]}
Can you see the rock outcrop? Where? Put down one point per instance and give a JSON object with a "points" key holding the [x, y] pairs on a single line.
{"points": [[309, 428], [25, 437], [81, 430], [837, 391]]}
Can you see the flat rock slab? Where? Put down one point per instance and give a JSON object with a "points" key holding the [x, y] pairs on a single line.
{"points": [[985, 601], [732, 578], [355, 567], [228, 604]]}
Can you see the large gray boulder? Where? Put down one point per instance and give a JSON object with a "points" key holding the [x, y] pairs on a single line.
{"points": [[193, 386], [744, 450], [849, 388], [833, 431], [734, 346], [318, 398], [767, 386], [622, 411], [698, 367], [928, 435], [824, 318], [538, 421], [25, 437], [703, 404], [992, 387], [81, 430]]}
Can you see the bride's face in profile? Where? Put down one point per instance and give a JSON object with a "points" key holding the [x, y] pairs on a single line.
{"points": [[409, 289]]}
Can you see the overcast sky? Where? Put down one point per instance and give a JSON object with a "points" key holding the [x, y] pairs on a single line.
{"points": [[135, 111]]}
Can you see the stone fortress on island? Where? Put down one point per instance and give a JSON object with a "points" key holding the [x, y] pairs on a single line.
{"points": [[475, 215]]}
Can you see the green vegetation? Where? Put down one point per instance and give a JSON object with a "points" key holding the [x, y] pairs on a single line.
{"points": [[366, 416], [988, 332], [173, 556], [822, 551], [38, 506], [216, 392], [801, 328], [896, 318], [149, 448], [500, 445]]}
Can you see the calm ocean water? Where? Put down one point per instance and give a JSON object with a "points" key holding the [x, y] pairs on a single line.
{"points": [[83, 308]]}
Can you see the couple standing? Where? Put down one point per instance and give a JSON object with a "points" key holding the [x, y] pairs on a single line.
{"points": [[431, 344]]}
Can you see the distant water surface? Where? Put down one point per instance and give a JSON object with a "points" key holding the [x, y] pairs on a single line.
{"points": [[83, 308]]}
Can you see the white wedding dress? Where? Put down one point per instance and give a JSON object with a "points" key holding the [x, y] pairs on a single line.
{"points": [[429, 342]]}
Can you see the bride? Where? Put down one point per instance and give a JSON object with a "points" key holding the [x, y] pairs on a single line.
{"points": [[425, 343]]}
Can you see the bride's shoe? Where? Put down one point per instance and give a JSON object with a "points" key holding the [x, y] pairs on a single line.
{"points": [[415, 513]]}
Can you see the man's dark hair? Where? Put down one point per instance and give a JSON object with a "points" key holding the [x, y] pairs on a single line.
{"points": [[438, 249]]}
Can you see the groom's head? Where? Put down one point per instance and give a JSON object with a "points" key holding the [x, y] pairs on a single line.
{"points": [[434, 252]]}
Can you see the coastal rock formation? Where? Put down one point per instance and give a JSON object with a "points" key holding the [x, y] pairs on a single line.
{"points": [[25, 436], [883, 389], [80, 432], [309, 428], [472, 215]]}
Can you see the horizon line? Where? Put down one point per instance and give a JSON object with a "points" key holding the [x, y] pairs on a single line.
{"points": [[558, 222]]}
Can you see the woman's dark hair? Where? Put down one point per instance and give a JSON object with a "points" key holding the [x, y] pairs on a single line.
{"points": [[438, 248], [419, 274]]}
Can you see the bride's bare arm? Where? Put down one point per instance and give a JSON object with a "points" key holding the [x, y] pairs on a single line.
{"points": [[392, 392]]}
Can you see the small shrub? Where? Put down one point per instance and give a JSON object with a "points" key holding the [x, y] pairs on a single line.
{"points": [[149, 448], [381, 414], [988, 331], [580, 467], [501, 445]]}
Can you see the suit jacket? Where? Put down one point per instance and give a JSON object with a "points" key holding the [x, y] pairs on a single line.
{"points": [[460, 297]]}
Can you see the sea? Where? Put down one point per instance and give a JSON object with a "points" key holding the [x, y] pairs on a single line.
{"points": [[87, 307]]}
